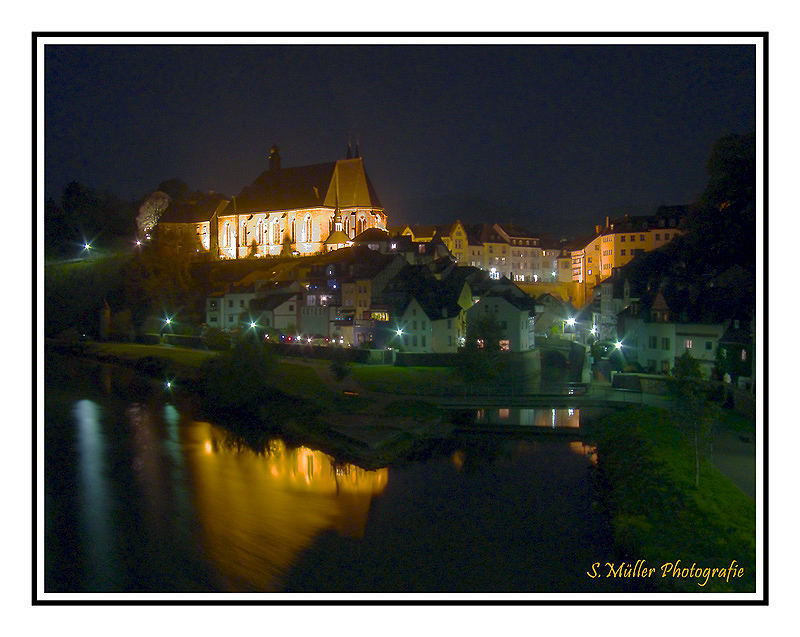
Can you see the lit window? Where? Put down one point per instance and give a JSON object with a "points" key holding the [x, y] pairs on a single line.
{"points": [[505, 345], [689, 343], [744, 354]]}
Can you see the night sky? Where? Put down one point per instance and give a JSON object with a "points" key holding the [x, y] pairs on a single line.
{"points": [[555, 137]]}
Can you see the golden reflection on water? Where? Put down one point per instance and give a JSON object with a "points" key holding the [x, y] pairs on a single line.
{"points": [[582, 449], [259, 511]]}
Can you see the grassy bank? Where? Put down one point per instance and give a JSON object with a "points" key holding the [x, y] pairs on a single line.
{"points": [[417, 381], [256, 395], [647, 478]]}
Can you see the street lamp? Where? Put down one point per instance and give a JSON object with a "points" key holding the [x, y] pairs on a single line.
{"points": [[618, 345], [571, 321]]}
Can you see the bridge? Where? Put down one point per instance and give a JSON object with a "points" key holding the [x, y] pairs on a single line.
{"points": [[572, 396]]}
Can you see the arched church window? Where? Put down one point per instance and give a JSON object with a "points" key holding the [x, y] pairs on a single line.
{"points": [[260, 231], [361, 224], [276, 232], [226, 234], [308, 228]]}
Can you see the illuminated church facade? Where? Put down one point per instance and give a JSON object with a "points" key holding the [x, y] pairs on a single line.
{"points": [[302, 210]]}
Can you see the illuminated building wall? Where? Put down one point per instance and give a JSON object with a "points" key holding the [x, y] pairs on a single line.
{"points": [[455, 239], [616, 244], [290, 210]]}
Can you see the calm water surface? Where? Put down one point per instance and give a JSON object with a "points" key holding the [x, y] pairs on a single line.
{"points": [[141, 496]]}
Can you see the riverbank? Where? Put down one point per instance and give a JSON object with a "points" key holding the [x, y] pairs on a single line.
{"points": [[646, 474], [301, 400]]}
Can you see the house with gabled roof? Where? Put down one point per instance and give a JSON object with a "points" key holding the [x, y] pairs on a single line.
{"points": [[454, 236], [434, 320], [280, 312], [515, 315], [654, 333]]}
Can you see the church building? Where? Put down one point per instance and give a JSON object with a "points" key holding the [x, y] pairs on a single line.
{"points": [[302, 210]]}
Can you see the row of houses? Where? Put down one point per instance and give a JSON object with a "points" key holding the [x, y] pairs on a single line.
{"points": [[654, 323], [502, 249], [361, 296]]}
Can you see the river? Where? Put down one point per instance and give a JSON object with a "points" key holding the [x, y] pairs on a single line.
{"points": [[142, 496]]}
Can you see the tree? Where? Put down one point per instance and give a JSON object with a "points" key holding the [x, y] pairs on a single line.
{"points": [[339, 366], [722, 221], [174, 188], [286, 248], [151, 210], [695, 412], [156, 283], [252, 251], [479, 360], [58, 233], [239, 381]]}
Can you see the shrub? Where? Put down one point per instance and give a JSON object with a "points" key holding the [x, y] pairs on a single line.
{"points": [[154, 367], [238, 380]]}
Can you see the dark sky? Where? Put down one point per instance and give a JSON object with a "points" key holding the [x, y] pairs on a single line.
{"points": [[554, 137]]}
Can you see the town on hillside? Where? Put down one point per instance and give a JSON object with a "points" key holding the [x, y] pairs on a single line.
{"points": [[318, 263]]}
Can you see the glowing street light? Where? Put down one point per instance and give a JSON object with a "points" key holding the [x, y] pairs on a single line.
{"points": [[571, 321], [593, 331], [399, 332], [618, 344], [252, 323]]}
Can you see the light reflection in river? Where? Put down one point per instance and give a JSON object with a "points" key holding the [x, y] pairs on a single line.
{"points": [[259, 511], [95, 507], [549, 418], [142, 497]]}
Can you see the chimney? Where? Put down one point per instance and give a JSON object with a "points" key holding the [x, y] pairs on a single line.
{"points": [[607, 221], [274, 158]]}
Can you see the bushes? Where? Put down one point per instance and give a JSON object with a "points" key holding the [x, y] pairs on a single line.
{"points": [[238, 380], [154, 367]]}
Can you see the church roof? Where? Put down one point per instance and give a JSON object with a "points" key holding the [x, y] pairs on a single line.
{"points": [[371, 234], [343, 182], [196, 210], [336, 237]]}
